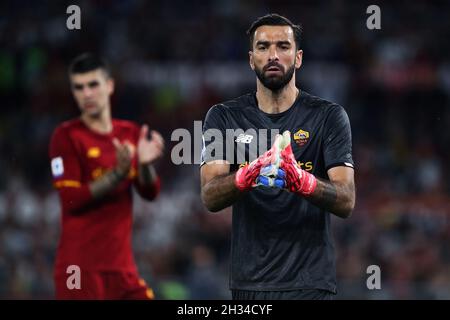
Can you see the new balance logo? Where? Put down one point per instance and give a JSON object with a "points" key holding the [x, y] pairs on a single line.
{"points": [[244, 138]]}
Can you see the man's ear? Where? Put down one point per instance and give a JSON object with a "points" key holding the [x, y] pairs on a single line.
{"points": [[250, 60], [298, 59], [111, 85]]}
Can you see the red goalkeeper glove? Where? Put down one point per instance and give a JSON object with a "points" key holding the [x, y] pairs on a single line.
{"points": [[297, 179], [246, 176]]}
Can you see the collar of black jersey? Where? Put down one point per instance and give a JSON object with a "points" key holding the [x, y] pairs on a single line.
{"points": [[301, 94]]}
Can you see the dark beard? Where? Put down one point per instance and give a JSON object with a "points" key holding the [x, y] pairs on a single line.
{"points": [[275, 84]]}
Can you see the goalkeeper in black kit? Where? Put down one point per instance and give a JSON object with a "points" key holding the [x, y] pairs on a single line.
{"points": [[282, 200]]}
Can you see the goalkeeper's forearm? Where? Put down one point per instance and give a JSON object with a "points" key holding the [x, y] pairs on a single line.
{"points": [[337, 198], [220, 192]]}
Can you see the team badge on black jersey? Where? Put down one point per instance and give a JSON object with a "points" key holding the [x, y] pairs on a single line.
{"points": [[301, 137]]}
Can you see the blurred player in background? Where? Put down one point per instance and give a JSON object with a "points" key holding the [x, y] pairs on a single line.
{"points": [[281, 242], [95, 161]]}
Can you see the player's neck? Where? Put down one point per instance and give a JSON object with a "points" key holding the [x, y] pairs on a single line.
{"points": [[101, 123], [276, 102]]}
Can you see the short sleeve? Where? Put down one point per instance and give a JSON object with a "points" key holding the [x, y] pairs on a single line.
{"points": [[66, 172], [337, 139], [213, 135], [64, 162]]}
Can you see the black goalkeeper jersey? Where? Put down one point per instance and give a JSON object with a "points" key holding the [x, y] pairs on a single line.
{"points": [[280, 241]]}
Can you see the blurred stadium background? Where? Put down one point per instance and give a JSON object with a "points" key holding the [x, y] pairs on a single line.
{"points": [[172, 60]]}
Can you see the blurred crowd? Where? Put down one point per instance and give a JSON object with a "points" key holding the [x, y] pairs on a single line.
{"points": [[172, 60]]}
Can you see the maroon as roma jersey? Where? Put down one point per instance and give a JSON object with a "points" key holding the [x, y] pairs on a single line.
{"points": [[95, 234]]}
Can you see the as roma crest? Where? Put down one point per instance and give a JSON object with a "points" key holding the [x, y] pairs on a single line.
{"points": [[301, 137]]}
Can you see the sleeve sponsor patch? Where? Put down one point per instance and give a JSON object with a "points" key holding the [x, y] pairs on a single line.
{"points": [[57, 167]]}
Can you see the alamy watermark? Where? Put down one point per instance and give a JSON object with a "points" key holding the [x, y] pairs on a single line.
{"points": [[236, 146], [374, 20], [73, 22], [374, 280], [74, 279]]}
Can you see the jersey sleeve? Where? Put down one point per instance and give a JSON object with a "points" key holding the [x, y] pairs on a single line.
{"points": [[213, 137], [337, 139], [66, 172]]}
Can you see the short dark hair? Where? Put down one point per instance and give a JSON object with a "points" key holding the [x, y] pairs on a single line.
{"points": [[87, 62], [274, 19]]}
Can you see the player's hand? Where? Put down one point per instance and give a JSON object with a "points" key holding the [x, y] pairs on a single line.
{"points": [[297, 179], [272, 175], [149, 150], [246, 176], [124, 155]]}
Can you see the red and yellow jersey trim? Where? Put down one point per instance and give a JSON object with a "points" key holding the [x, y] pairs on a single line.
{"points": [[149, 291], [67, 183]]}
